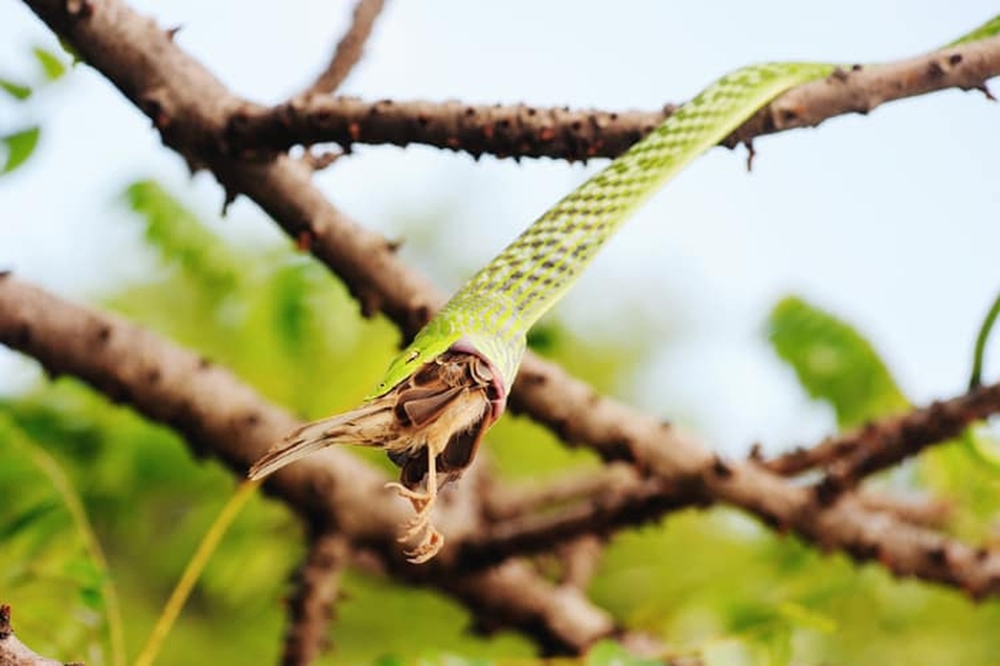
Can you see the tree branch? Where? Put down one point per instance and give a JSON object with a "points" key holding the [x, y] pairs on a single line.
{"points": [[317, 585], [349, 49], [526, 131], [513, 130], [881, 444]]}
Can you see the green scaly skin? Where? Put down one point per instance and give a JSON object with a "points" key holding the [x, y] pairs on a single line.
{"points": [[493, 312]]}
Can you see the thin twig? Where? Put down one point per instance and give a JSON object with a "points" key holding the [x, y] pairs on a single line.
{"points": [[976, 378], [192, 572], [349, 49]]}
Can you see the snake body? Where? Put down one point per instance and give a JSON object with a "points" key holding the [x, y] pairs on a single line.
{"points": [[450, 384]]}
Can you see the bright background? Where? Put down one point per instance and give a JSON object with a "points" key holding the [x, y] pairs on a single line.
{"points": [[887, 220]]}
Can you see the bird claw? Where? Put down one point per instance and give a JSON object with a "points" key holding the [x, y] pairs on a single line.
{"points": [[431, 540], [428, 547]]}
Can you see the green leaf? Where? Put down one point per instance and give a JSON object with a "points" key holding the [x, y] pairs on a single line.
{"points": [[181, 238], [28, 518], [16, 90], [52, 65], [544, 338], [20, 146], [834, 362]]}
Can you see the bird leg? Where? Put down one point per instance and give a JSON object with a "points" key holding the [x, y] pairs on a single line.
{"points": [[431, 540]]}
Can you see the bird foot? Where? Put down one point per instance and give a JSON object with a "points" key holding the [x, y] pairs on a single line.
{"points": [[429, 545], [431, 540]]}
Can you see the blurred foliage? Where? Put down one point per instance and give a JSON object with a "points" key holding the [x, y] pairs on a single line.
{"points": [[18, 144], [834, 362], [713, 584]]}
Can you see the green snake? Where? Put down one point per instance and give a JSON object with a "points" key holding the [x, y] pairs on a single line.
{"points": [[445, 390]]}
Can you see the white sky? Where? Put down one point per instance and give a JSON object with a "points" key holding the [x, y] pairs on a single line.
{"points": [[888, 220]]}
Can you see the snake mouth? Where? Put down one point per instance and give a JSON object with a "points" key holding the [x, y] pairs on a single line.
{"points": [[488, 374]]}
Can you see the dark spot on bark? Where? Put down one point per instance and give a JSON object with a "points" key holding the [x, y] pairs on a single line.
{"points": [[470, 111], [827, 490], [533, 379], [934, 70], [103, 334], [954, 59], [788, 115], [153, 375], [23, 336], [771, 521], [839, 74], [937, 556], [251, 420], [856, 67], [864, 551], [421, 314], [204, 363]]}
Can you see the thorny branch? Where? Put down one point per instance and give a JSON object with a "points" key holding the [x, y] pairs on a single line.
{"points": [[317, 585], [852, 456], [526, 131], [193, 110], [349, 49]]}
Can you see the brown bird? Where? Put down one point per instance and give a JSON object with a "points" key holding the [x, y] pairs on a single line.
{"points": [[431, 424]]}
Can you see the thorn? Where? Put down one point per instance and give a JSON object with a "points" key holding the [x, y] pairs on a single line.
{"points": [[171, 32], [304, 241], [322, 160], [750, 154], [986, 91], [230, 198]]}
